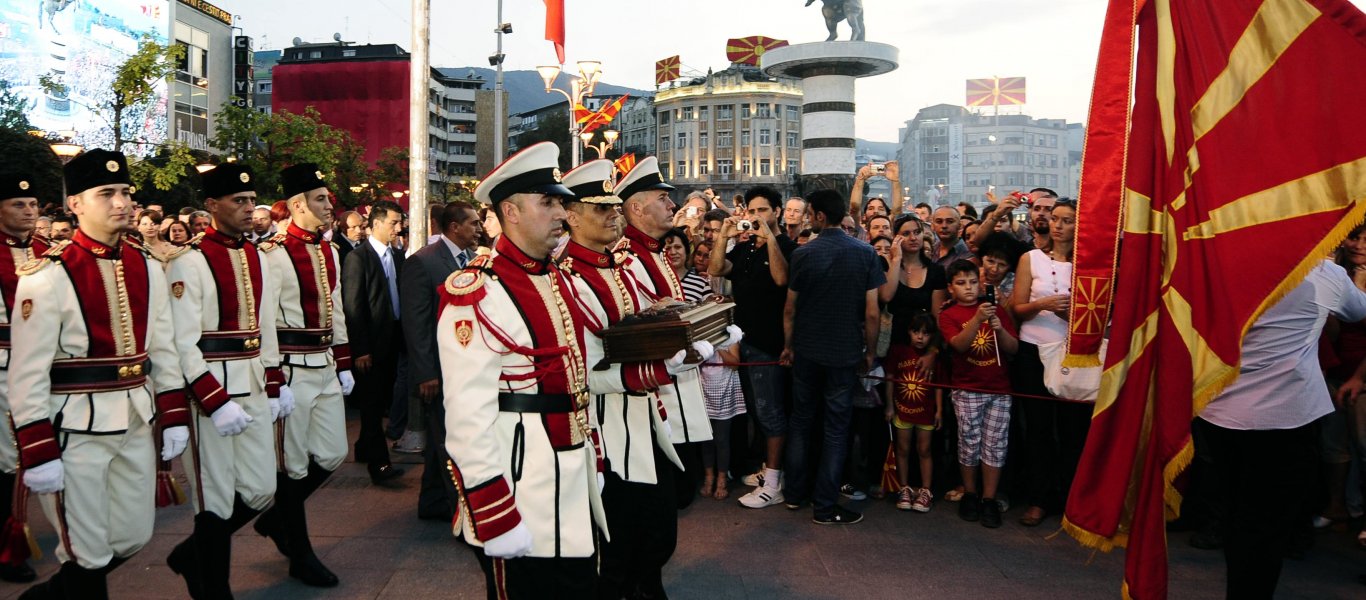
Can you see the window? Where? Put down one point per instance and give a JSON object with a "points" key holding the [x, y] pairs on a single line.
{"points": [[682, 140], [664, 142], [765, 111], [746, 167], [791, 167], [744, 137], [664, 117], [929, 181], [765, 167], [725, 111], [792, 113], [681, 170], [703, 169], [723, 166], [703, 113], [702, 139], [744, 111], [723, 139], [687, 114], [349, 52], [765, 137], [315, 54], [791, 139]]}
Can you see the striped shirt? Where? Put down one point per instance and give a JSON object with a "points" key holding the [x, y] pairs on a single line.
{"points": [[695, 286]]}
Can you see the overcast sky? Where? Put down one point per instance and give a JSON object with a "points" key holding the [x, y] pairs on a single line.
{"points": [[1052, 43]]}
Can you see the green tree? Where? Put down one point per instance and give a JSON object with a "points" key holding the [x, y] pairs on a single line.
{"points": [[13, 110], [133, 89], [552, 127], [269, 143]]}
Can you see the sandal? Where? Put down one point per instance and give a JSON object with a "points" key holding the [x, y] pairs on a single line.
{"points": [[708, 481], [722, 488], [1033, 516], [954, 494]]}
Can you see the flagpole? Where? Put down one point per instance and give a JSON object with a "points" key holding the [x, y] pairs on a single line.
{"points": [[419, 73]]}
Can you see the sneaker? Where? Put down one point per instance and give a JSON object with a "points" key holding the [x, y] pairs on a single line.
{"points": [[1003, 502], [838, 516], [755, 479], [922, 501], [761, 497], [410, 443], [970, 507], [849, 491], [903, 499], [991, 513]]}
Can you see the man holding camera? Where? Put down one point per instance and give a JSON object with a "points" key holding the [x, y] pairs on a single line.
{"points": [[757, 268]]}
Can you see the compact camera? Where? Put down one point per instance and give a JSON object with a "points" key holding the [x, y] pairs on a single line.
{"points": [[744, 226], [879, 169]]}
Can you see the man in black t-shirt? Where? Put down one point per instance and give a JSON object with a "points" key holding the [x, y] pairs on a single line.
{"points": [[757, 270]]}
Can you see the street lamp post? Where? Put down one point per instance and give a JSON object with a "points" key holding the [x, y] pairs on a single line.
{"points": [[579, 88], [609, 137]]}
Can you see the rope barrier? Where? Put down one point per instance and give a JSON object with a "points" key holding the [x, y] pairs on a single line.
{"points": [[774, 363]]}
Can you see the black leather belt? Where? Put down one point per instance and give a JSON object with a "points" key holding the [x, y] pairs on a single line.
{"points": [[304, 339], [97, 376], [229, 346], [4, 335], [535, 403]]}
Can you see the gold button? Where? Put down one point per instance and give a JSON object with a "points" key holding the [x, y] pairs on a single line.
{"points": [[137, 370], [123, 372]]}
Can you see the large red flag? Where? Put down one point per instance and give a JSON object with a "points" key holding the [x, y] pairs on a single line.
{"points": [[554, 26], [1237, 164]]}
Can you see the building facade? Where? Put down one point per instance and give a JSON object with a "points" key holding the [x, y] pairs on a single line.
{"points": [[729, 131], [364, 90], [203, 79], [950, 155], [638, 127]]}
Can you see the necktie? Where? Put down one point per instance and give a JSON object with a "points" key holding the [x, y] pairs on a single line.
{"points": [[388, 263], [461, 259]]}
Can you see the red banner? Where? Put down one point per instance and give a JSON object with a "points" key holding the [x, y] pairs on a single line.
{"points": [[554, 26], [1222, 208], [748, 50], [667, 70]]}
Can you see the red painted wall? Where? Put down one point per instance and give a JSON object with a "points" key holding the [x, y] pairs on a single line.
{"points": [[369, 98]]}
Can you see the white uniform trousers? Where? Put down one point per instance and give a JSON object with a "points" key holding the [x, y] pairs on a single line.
{"points": [[108, 503], [317, 427], [9, 452], [221, 467]]}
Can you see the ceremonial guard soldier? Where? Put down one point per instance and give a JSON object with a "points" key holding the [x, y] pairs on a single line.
{"points": [[639, 495], [316, 362], [224, 307], [516, 346], [96, 371], [18, 218], [649, 215]]}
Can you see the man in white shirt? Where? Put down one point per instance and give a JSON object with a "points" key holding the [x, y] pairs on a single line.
{"points": [[1260, 431]]}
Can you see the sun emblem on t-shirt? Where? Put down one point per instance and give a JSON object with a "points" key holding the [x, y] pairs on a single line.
{"points": [[913, 389], [984, 342]]}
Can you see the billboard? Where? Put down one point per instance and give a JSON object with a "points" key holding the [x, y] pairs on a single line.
{"points": [[81, 44]]}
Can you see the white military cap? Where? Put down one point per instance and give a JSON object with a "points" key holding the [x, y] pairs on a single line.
{"points": [[645, 176], [592, 182], [534, 170]]}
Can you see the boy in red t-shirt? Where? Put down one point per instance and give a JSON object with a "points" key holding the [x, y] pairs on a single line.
{"points": [[978, 336], [914, 408]]}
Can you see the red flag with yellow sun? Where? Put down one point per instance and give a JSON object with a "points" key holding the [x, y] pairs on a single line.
{"points": [[748, 50], [1220, 166]]}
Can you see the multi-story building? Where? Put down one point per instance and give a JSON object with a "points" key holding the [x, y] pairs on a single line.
{"points": [[729, 131], [950, 155], [637, 125], [263, 63], [364, 89], [203, 79]]}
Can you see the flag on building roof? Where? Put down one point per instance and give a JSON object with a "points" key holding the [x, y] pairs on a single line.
{"points": [[1240, 165], [625, 164], [554, 26], [747, 50], [667, 70], [996, 91]]}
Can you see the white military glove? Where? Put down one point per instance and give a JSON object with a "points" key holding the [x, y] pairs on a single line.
{"points": [[173, 441], [513, 544], [675, 364], [274, 409], [668, 429], [230, 419], [602, 482], [735, 334], [348, 382], [45, 478], [286, 401]]}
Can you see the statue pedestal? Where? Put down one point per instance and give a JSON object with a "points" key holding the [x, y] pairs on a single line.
{"points": [[828, 71]]}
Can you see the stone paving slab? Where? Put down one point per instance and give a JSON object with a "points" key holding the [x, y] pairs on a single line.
{"points": [[372, 539]]}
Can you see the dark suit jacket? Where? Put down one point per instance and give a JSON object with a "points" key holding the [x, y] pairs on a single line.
{"points": [[417, 294], [344, 246], [370, 323]]}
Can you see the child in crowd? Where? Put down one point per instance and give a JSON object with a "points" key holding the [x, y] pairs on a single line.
{"points": [[914, 408], [978, 336], [724, 401]]}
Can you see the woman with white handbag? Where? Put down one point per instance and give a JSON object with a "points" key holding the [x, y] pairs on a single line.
{"points": [[1054, 432]]}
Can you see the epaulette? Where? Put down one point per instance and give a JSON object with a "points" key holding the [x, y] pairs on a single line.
{"points": [[52, 255], [272, 243], [175, 252], [334, 245], [196, 239], [483, 262], [465, 287], [567, 265], [622, 245]]}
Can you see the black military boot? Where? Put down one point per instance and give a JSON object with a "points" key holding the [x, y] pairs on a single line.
{"points": [[184, 561], [86, 584], [213, 545]]}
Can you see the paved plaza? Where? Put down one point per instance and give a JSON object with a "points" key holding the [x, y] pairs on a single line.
{"points": [[373, 540]]}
